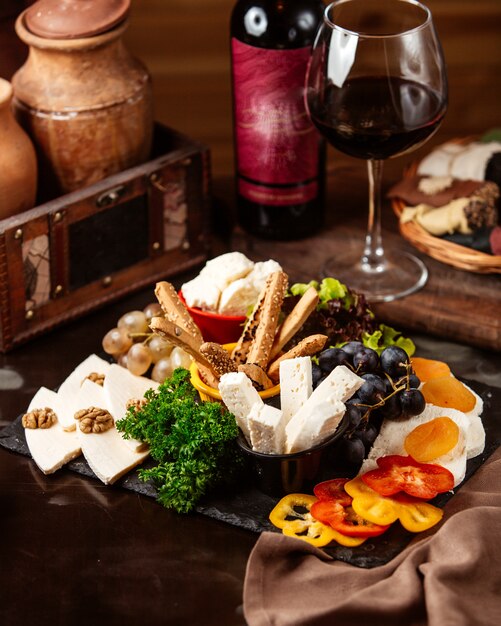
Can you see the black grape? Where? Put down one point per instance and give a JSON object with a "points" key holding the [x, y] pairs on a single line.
{"points": [[367, 434], [373, 389], [393, 362], [351, 347], [391, 409], [316, 374], [331, 358], [412, 402], [352, 450], [414, 381], [353, 415], [365, 360]]}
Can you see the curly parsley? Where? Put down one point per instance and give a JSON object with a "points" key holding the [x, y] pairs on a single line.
{"points": [[192, 442]]}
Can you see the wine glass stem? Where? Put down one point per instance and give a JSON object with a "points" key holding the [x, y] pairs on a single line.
{"points": [[373, 259]]}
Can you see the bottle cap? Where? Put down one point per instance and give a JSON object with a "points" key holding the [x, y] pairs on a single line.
{"points": [[71, 19]]}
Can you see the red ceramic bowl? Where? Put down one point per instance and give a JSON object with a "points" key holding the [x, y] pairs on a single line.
{"points": [[215, 327]]}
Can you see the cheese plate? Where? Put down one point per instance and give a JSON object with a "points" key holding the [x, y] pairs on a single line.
{"points": [[248, 508]]}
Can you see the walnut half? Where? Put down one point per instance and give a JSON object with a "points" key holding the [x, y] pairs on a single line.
{"points": [[94, 420], [95, 377], [39, 418]]}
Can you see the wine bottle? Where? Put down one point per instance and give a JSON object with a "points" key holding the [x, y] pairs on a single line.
{"points": [[279, 155]]}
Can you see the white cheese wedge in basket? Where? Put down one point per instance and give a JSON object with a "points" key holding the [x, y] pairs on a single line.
{"points": [[119, 387], [338, 387], [70, 387], [107, 454], [239, 396], [53, 447]]}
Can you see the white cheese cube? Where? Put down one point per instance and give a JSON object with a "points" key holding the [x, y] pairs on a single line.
{"points": [[238, 297], [226, 268], [201, 293], [239, 396], [340, 385], [295, 385], [321, 423], [50, 447], [266, 426], [261, 271], [69, 389]]}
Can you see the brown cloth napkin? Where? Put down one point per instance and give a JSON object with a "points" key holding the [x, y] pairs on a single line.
{"points": [[448, 576]]}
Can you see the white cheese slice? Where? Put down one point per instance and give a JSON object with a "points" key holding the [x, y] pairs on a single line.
{"points": [[238, 297], [393, 433], [50, 447], [267, 429], [239, 396], [340, 385], [201, 293], [226, 268], [322, 422], [119, 387], [70, 387], [107, 454], [295, 385]]}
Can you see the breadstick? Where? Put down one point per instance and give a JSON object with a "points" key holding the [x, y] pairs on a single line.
{"points": [[239, 354], [179, 337], [174, 309], [307, 347], [217, 356], [260, 348], [258, 376], [296, 318]]}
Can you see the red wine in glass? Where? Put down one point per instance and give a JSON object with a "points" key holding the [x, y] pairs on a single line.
{"points": [[376, 88], [401, 115]]}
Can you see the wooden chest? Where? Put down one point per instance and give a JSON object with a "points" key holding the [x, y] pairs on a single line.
{"points": [[75, 253]]}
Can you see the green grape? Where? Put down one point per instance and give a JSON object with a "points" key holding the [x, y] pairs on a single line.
{"points": [[153, 310], [138, 359], [134, 322], [163, 369], [180, 358], [116, 341], [159, 348]]}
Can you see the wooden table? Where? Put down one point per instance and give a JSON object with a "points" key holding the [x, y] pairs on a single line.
{"points": [[75, 551]]}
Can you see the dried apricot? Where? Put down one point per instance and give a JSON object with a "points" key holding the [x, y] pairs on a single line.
{"points": [[427, 369], [432, 439], [448, 392]]}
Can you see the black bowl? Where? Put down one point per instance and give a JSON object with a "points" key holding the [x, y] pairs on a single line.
{"points": [[280, 474]]}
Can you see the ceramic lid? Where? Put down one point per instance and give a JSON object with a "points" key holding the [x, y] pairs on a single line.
{"points": [[71, 19]]}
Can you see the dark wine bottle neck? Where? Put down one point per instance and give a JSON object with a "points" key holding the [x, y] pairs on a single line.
{"points": [[276, 24]]}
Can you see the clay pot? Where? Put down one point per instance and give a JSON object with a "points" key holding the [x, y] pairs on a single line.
{"points": [[18, 165], [87, 105]]}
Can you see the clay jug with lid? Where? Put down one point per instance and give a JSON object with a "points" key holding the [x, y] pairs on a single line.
{"points": [[83, 99], [18, 165]]}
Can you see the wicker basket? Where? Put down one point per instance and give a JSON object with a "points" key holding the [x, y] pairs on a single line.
{"points": [[440, 249]]}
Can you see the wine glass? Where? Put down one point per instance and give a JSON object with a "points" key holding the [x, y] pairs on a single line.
{"points": [[376, 88]]}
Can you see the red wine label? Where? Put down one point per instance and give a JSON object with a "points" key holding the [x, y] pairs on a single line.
{"points": [[276, 144]]}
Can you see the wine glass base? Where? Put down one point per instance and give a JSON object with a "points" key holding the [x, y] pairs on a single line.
{"points": [[402, 274]]}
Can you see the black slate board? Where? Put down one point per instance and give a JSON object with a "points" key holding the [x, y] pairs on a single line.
{"points": [[249, 508]]}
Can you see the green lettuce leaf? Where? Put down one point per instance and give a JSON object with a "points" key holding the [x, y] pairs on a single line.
{"points": [[388, 336]]}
